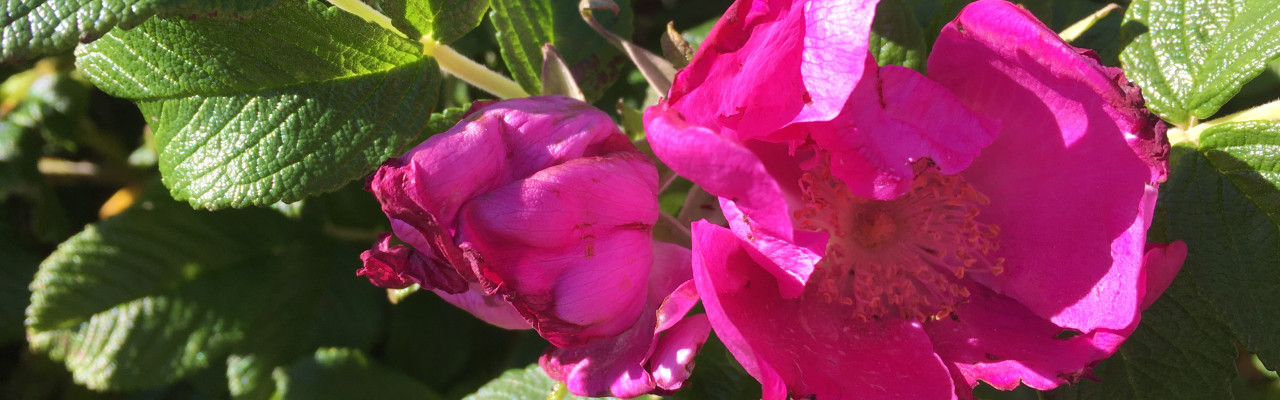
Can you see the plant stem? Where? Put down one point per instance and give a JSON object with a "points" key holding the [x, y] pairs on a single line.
{"points": [[470, 71], [450, 61], [1265, 112], [1074, 31], [362, 10]]}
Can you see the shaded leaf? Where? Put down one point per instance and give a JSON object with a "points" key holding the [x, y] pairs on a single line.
{"points": [[161, 290], [1179, 351], [339, 373], [1224, 200], [15, 272]]}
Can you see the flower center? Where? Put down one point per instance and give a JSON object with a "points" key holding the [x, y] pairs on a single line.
{"points": [[907, 256]]}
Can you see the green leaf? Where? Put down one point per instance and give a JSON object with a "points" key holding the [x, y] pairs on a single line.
{"points": [[15, 272], [249, 377], [296, 101], [341, 311], [934, 14], [896, 37], [521, 384], [444, 20], [1224, 201], [1179, 351], [524, 26], [338, 373], [161, 290], [33, 28], [1192, 56]]}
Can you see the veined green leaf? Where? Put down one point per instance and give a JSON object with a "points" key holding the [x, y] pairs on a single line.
{"points": [[1179, 351], [444, 20], [33, 28], [161, 290], [520, 384], [523, 26], [1191, 56], [1223, 200], [296, 101], [339, 373], [896, 37]]}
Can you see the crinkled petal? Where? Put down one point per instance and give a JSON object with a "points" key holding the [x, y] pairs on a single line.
{"points": [[576, 269], [895, 117], [1067, 154], [400, 266], [805, 346], [999, 341], [388, 266]]}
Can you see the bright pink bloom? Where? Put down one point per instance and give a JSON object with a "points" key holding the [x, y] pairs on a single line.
{"points": [[884, 240], [537, 213]]}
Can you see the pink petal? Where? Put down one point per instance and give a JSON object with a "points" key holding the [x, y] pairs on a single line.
{"points": [[422, 191], [746, 77], [999, 341], [672, 359], [720, 166], [791, 263], [575, 269], [804, 346], [655, 353], [895, 117], [771, 63], [491, 309], [676, 305], [608, 366], [835, 54], [1160, 266], [671, 271], [1067, 154], [738, 176]]}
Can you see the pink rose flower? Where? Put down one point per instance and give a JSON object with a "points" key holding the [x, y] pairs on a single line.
{"points": [[537, 213], [897, 236]]}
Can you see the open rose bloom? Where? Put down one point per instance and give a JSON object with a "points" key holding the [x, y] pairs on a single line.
{"points": [[537, 213], [898, 236]]}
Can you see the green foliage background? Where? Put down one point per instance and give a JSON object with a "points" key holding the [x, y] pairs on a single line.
{"points": [[190, 174]]}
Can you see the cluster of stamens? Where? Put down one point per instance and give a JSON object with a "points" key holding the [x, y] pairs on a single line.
{"points": [[908, 256]]}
